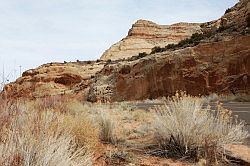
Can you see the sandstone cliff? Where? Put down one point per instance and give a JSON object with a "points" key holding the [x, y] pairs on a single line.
{"points": [[54, 79], [219, 63], [219, 67], [144, 35], [216, 61]]}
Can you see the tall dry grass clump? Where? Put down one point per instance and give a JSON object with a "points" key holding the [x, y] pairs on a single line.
{"points": [[86, 134], [184, 128], [79, 122], [107, 128], [37, 138]]}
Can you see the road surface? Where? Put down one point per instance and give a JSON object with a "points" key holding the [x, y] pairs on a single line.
{"points": [[242, 109]]}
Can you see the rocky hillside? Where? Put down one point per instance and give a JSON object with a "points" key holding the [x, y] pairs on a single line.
{"points": [[220, 67], [54, 79], [215, 59], [144, 35]]}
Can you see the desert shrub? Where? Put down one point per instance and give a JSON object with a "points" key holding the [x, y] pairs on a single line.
{"points": [[37, 139], [74, 119], [243, 33], [170, 46], [139, 115], [228, 10], [85, 132], [221, 29], [88, 62], [183, 128], [107, 128], [157, 49], [194, 39], [183, 43], [197, 37], [248, 20], [141, 55]]}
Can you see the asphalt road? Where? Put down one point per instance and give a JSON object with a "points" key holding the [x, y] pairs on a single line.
{"points": [[242, 109]]}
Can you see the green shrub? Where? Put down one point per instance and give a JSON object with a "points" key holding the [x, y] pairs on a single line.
{"points": [[143, 54], [193, 40], [157, 49], [197, 37], [183, 42], [170, 46]]}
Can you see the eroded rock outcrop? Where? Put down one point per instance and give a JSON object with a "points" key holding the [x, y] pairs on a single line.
{"points": [[220, 67], [144, 35], [54, 79], [218, 62]]}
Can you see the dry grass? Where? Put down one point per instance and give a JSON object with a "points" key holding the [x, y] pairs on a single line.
{"points": [[107, 128], [64, 131], [184, 129], [86, 134], [37, 139]]}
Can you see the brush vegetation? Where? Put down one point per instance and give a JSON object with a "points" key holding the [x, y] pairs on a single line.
{"points": [[185, 128], [42, 137], [65, 131]]}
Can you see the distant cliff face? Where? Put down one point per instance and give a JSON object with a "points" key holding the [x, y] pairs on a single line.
{"points": [[219, 62], [219, 67], [144, 35]]}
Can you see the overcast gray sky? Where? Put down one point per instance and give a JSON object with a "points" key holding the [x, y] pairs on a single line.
{"points": [[34, 32]]}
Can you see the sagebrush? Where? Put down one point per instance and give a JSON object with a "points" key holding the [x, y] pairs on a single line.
{"points": [[185, 128]]}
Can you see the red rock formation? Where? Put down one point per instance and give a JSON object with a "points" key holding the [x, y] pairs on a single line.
{"points": [[219, 62], [200, 70], [54, 79]]}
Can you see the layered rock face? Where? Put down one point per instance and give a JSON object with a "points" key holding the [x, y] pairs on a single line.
{"points": [[219, 67], [219, 62], [144, 35], [54, 79]]}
